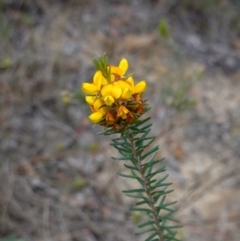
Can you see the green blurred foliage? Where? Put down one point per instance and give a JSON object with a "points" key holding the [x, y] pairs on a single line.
{"points": [[175, 93], [235, 24], [78, 184], [215, 9], [5, 28], [164, 29], [74, 185], [136, 217], [2, 5], [27, 20], [93, 147], [199, 4], [6, 63], [10, 238]]}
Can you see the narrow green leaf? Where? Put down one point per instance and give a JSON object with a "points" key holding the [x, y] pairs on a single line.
{"points": [[123, 158], [121, 146], [146, 231], [141, 122], [146, 142], [162, 201], [135, 196], [170, 227], [146, 127], [161, 185], [120, 140], [123, 149], [127, 176], [172, 219], [145, 139], [154, 149], [151, 237], [144, 170], [145, 133], [160, 193], [162, 169], [122, 143], [152, 181], [162, 179], [142, 202], [170, 238], [150, 163], [131, 167], [149, 170], [167, 209], [168, 204], [141, 181], [141, 209], [126, 154], [145, 224], [166, 216], [133, 190]]}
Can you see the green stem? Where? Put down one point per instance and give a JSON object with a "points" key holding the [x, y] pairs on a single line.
{"points": [[146, 185]]}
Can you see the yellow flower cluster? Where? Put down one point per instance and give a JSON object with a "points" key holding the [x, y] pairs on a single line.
{"points": [[113, 98]]}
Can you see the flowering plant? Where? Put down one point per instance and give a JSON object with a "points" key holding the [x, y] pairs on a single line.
{"points": [[116, 103], [113, 98]]}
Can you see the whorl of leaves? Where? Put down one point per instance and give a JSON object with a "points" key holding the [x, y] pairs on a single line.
{"points": [[133, 145]]}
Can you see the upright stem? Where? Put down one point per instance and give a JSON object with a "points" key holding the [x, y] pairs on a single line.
{"points": [[145, 185]]}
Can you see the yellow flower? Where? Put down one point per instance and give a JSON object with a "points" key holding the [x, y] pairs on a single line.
{"points": [[89, 89], [96, 117], [98, 79], [99, 106], [139, 87], [99, 111], [110, 92], [126, 89], [119, 70], [90, 99], [122, 112], [114, 102], [95, 87], [109, 100]]}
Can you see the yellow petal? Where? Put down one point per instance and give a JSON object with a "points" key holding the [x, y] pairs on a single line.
{"points": [[98, 104], [113, 76], [126, 89], [106, 90], [123, 65], [130, 81], [122, 83], [126, 94], [89, 88], [113, 90], [104, 81], [116, 70], [90, 99], [109, 100], [97, 79], [96, 117], [116, 91], [140, 87], [122, 112]]}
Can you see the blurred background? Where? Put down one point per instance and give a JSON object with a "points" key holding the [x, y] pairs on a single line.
{"points": [[57, 180]]}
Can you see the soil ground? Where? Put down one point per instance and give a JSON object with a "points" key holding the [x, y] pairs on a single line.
{"points": [[58, 181]]}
